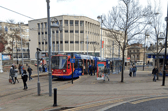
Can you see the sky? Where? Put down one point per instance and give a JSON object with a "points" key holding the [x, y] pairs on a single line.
{"points": [[37, 9]]}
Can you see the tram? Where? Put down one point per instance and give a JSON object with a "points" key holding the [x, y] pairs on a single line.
{"points": [[62, 67]]}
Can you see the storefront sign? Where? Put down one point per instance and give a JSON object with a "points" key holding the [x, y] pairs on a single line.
{"points": [[6, 57]]}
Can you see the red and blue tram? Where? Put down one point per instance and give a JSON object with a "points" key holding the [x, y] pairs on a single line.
{"points": [[62, 67]]}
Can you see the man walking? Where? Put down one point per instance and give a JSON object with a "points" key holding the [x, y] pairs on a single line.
{"points": [[154, 72], [106, 73], [29, 70], [90, 69], [134, 69], [12, 74]]}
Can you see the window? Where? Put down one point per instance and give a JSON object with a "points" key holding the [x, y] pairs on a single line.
{"points": [[71, 22], [66, 22], [81, 31], [56, 31], [42, 42], [45, 32], [76, 23], [71, 31], [38, 26], [66, 31], [39, 43], [38, 33], [60, 22], [53, 32], [81, 23], [45, 42], [45, 24], [42, 33], [71, 42], [60, 31], [76, 31], [57, 42], [77, 42], [42, 25], [53, 42], [60, 42], [66, 42], [81, 42]]}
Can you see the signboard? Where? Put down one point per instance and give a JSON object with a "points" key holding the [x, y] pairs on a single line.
{"points": [[6, 57], [1, 68], [72, 60], [100, 70]]}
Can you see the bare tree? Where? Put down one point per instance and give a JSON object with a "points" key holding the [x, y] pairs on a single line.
{"points": [[130, 19], [12, 34], [157, 28]]}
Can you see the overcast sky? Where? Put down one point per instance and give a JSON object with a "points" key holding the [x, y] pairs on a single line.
{"points": [[38, 8]]}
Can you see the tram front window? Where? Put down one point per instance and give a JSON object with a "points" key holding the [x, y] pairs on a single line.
{"points": [[59, 62]]}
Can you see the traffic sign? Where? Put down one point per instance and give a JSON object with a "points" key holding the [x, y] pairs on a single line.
{"points": [[72, 60], [39, 55]]}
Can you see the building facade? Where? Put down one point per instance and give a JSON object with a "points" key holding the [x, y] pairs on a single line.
{"points": [[135, 52], [14, 34], [76, 34]]}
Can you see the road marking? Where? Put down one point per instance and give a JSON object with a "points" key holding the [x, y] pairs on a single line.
{"points": [[94, 105], [149, 99]]}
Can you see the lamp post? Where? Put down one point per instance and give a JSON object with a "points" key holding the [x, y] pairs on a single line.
{"points": [[100, 17], [21, 43], [49, 45], [16, 52], [38, 83], [28, 50], [146, 35], [166, 19]]}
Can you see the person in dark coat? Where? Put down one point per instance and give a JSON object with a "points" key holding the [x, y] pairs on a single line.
{"points": [[12, 74], [24, 78], [90, 69], [154, 72], [19, 68], [29, 70]]}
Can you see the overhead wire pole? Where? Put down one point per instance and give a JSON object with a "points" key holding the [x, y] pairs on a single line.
{"points": [[49, 47], [21, 44], [164, 73]]}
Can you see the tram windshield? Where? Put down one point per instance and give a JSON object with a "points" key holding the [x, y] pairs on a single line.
{"points": [[59, 62]]}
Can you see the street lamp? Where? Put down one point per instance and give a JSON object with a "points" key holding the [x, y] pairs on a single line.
{"points": [[146, 35], [28, 50], [100, 17], [166, 19], [49, 45]]}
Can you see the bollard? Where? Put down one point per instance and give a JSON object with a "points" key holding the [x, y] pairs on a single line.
{"points": [[55, 97]]}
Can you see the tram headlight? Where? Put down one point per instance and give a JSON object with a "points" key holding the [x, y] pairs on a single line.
{"points": [[52, 70], [64, 70]]}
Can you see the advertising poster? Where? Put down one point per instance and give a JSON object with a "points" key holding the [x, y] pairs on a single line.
{"points": [[6, 57], [100, 70]]}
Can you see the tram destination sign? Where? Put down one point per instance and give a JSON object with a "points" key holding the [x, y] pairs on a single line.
{"points": [[72, 60]]}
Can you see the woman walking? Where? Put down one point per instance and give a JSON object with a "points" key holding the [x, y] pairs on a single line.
{"points": [[24, 78], [16, 73]]}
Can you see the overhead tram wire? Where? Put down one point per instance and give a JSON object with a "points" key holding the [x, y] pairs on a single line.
{"points": [[18, 13]]}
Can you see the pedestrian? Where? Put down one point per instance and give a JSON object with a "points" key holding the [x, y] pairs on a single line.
{"points": [[154, 72], [24, 78], [130, 73], [19, 68], [134, 69], [90, 69], [29, 70], [16, 73], [12, 74], [106, 73], [40, 68], [94, 68]]}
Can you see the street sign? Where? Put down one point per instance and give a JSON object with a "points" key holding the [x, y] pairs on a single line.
{"points": [[39, 55], [72, 60]]}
